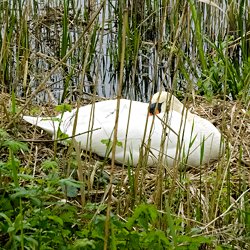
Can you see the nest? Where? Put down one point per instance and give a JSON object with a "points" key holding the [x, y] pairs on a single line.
{"points": [[129, 185]]}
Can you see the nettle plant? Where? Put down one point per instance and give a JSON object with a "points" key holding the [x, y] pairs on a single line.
{"points": [[33, 209]]}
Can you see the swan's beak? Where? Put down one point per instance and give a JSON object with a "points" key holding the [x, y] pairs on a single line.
{"points": [[154, 108]]}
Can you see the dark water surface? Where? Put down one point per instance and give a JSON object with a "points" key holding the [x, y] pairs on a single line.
{"points": [[168, 53]]}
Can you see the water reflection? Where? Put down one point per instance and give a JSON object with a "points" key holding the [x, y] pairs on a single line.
{"points": [[168, 56]]}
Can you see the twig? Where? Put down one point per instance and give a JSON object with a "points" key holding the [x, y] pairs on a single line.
{"points": [[59, 139], [221, 215], [43, 85]]}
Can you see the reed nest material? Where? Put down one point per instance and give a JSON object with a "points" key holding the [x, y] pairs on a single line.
{"points": [[231, 117], [197, 185]]}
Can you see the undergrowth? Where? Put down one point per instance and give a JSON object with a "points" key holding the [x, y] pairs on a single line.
{"points": [[57, 197]]}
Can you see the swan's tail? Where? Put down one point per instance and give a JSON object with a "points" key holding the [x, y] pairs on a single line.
{"points": [[45, 123]]}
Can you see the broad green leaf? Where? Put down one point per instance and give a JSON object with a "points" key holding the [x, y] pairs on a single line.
{"points": [[16, 145], [63, 108], [56, 219]]}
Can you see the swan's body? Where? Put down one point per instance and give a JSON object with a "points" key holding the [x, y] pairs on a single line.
{"points": [[207, 144], [182, 138]]}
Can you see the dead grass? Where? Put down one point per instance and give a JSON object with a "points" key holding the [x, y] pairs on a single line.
{"points": [[231, 117], [204, 185]]}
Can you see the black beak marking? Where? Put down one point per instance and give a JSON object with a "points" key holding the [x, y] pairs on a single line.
{"points": [[153, 107]]}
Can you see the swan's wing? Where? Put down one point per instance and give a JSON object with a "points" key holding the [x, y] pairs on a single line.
{"points": [[131, 124], [209, 139], [170, 137], [50, 125]]}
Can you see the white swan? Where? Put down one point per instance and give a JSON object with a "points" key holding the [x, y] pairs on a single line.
{"points": [[166, 133], [207, 144]]}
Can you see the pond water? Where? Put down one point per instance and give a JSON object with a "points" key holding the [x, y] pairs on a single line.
{"points": [[167, 55]]}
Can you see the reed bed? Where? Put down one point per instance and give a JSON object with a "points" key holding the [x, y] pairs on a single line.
{"points": [[58, 197]]}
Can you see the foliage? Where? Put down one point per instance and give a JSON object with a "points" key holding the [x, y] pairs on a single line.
{"points": [[27, 221], [139, 232], [59, 51]]}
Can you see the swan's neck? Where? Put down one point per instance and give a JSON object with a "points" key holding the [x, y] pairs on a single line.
{"points": [[177, 106]]}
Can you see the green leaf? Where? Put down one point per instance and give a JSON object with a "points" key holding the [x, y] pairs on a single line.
{"points": [[61, 135], [98, 227], [70, 182], [14, 163], [63, 108], [53, 119], [70, 186], [6, 218], [20, 192], [106, 142], [56, 219], [3, 135], [143, 216], [49, 164], [15, 145], [84, 244], [18, 222], [156, 240], [119, 144]]}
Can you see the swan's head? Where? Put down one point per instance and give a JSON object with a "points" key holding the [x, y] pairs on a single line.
{"points": [[164, 101]]}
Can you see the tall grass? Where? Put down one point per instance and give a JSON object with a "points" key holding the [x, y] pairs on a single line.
{"points": [[62, 51], [191, 38]]}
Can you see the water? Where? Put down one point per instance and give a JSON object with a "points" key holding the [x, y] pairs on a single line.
{"points": [[155, 68]]}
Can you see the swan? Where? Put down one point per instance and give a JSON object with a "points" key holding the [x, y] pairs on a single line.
{"points": [[207, 142], [166, 132]]}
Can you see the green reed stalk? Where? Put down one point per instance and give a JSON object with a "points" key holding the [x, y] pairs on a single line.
{"points": [[65, 34], [107, 224], [196, 17]]}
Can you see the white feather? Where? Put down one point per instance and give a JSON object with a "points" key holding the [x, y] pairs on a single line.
{"points": [[100, 119]]}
